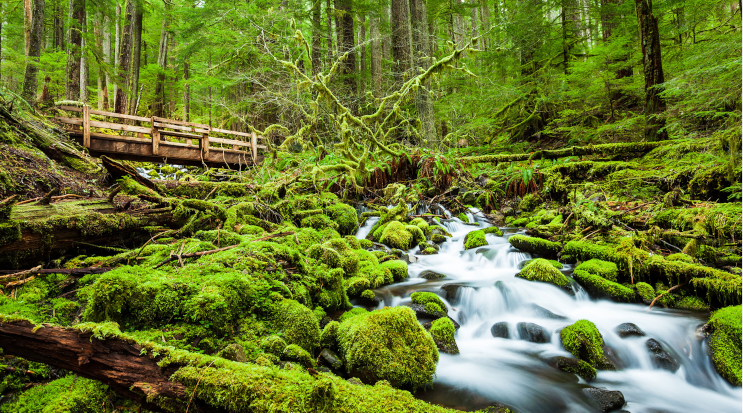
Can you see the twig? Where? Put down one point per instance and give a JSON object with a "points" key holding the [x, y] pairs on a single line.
{"points": [[21, 274], [193, 254], [15, 283], [210, 193], [280, 234], [586, 237], [566, 221], [661, 295], [197, 385], [69, 271]]}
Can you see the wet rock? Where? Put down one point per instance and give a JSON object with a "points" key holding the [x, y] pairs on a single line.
{"points": [[507, 211], [482, 180], [545, 313], [234, 352], [610, 361], [532, 332], [605, 400], [325, 320], [323, 369], [432, 192], [625, 330], [369, 299], [660, 357], [575, 366], [497, 408], [432, 275], [451, 290], [331, 359], [469, 198], [354, 380], [408, 258], [500, 330]]}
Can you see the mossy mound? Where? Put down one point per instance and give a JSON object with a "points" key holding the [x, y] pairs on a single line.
{"points": [[645, 291], [68, 394], [577, 366], [599, 286], [297, 324], [535, 245], [554, 263], [583, 340], [395, 235], [475, 239], [543, 271], [388, 344], [345, 216], [493, 230], [398, 268], [430, 301], [442, 331], [725, 343], [529, 202], [604, 269]]}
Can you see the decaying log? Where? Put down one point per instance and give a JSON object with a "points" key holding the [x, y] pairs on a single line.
{"points": [[119, 364], [119, 170], [71, 271], [602, 149]]}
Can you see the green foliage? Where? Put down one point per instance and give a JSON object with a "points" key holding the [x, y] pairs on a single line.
{"points": [[425, 299], [583, 340], [396, 235], [398, 268], [535, 245], [604, 269], [597, 285], [543, 271], [475, 239], [69, 394]]}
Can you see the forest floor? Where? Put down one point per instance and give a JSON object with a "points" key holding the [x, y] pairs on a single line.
{"points": [[233, 291]]}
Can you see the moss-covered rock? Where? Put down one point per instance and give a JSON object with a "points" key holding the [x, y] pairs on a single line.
{"points": [[529, 202], [554, 263], [493, 230], [417, 233], [604, 269], [429, 301], [366, 244], [273, 344], [297, 354], [442, 331], [395, 235], [577, 366], [599, 286], [535, 245], [318, 222], [297, 324], [543, 271], [725, 343], [583, 340], [398, 268], [388, 344], [422, 224], [68, 394], [345, 216], [475, 239], [329, 335], [645, 291]]}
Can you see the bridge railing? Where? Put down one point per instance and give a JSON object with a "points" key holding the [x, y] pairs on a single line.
{"points": [[158, 130]]}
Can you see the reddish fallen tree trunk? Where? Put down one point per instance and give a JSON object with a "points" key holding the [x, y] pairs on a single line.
{"points": [[113, 361]]}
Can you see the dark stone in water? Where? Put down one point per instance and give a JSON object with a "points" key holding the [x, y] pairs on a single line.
{"points": [[331, 359], [575, 366], [369, 302], [625, 330], [545, 313], [605, 400], [451, 290], [532, 332], [660, 357], [610, 361], [432, 275], [500, 330]]}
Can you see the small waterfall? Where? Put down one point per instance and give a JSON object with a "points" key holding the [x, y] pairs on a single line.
{"points": [[482, 290]]}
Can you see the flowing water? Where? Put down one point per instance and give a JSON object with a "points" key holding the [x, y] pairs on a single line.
{"points": [[480, 290]]}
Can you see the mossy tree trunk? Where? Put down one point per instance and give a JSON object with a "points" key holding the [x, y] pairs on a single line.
{"points": [[652, 64]]}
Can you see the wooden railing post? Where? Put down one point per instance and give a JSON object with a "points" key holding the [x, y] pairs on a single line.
{"points": [[254, 146], [155, 138], [86, 126], [205, 144]]}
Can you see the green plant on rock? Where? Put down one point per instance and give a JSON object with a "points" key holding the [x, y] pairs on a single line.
{"points": [[604, 269], [345, 216], [388, 344], [443, 330], [597, 285], [425, 298], [583, 340], [398, 268], [396, 235], [725, 343], [645, 291], [475, 239], [535, 245], [542, 270]]}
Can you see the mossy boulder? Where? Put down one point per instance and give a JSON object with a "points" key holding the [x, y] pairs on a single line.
{"points": [[68, 394], [554, 263], [428, 303], [542, 270], [583, 340], [345, 216], [535, 245], [423, 225], [442, 331], [493, 230], [329, 335], [576, 366], [388, 344], [475, 239], [529, 202], [645, 291], [604, 269], [297, 324], [601, 287], [395, 235], [725, 343], [398, 268], [297, 354], [318, 222]]}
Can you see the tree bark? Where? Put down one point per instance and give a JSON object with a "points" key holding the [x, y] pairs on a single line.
{"points": [[376, 56], [107, 59], [457, 24], [401, 48], [316, 35], [84, 94], [59, 37], [158, 105], [136, 56], [28, 17], [608, 26], [362, 46], [30, 80], [117, 50], [349, 71], [125, 53], [329, 34], [74, 49], [386, 42], [655, 104], [421, 46], [186, 91]]}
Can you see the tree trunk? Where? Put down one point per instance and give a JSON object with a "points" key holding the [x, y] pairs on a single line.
{"points": [[423, 101], [34, 51], [59, 38], [376, 56], [117, 50], [609, 25], [1, 44], [655, 104], [349, 71], [84, 94], [329, 35], [186, 91], [401, 48], [485, 18], [107, 59], [386, 42], [125, 54], [316, 35], [74, 49], [136, 56], [28, 17], [362, 46], [457, 24], [162, 63], [338, 30]]}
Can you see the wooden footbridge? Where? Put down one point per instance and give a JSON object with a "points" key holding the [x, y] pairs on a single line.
{"points": [[158, 139]]}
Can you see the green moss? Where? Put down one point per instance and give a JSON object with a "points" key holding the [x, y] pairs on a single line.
{"points": [[725, 343], [604, 269], [9, 232], [680, 257], [475, 239], [68, 394], [529, 202], [352, 313], [535, 245], [368, 295], [345, 216], [329, 335], [583, 340], [425, 298], [646, 291], [493, 230], [443, 330], [366, 244], [597, 285], [293, 352], [297, 324], [398, 268], [463, 217], [519, 222], [576, 366], [626, 256], [692, 303], [352, 242], [273, 345], [543, 271], [423, 225], [417, 233], [388, 344], [718, 286], [318, 221], [395, 235], [554, 263]]}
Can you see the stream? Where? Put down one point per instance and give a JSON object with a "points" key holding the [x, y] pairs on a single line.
{"points": [[480, 289]]}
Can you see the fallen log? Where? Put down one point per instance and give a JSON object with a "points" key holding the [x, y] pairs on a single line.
{"points": [[69, 271], [602, 149], [119, 170]]}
